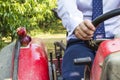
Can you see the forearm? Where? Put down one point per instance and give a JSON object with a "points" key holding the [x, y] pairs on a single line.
{"points": [[70, 15]]}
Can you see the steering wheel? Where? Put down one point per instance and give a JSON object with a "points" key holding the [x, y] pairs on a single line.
{"points": [[93, 44]]}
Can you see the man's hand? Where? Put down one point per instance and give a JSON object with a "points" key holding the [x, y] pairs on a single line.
{"points": [[85, 30]]}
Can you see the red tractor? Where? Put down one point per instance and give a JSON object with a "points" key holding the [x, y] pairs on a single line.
{"points": [[28, 59]]}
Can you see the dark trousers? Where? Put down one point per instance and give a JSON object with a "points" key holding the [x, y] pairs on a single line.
{"points": [[75, 49]]}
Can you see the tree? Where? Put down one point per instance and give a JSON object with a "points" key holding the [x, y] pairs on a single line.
{"points": [[28, 13]]}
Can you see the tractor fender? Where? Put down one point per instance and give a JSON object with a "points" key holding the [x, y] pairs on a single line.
{"points": [[33, 62], [106, 48]]}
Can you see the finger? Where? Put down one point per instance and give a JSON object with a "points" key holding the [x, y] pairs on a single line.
{"points": [[81, 35], [85, 37], [84, 29], [80, 32], [89, 25]]}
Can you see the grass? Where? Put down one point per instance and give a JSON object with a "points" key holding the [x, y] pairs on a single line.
{"points": [[55, 32], [49, 36], [49, 40]]}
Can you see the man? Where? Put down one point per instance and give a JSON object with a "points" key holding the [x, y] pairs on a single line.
{"points": [[76, 16]]}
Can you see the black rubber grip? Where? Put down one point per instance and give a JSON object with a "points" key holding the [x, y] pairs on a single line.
{"points": [[106, 16]]}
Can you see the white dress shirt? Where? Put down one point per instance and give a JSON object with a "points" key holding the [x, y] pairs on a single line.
{"points": [[73, 12]]}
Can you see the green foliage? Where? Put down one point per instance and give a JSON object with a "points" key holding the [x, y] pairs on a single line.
{"points": [[28, 13]]}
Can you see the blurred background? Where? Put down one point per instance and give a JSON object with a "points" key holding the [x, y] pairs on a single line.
{"points": [[36, 16]]}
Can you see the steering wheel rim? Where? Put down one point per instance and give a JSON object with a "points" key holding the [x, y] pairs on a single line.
{"points": [[106, 16], [93, 44]]}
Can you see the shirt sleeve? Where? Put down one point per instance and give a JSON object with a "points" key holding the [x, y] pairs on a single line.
{"points": [[69, 14]]}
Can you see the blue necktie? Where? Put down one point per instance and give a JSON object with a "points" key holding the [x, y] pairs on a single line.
{"points": [[97, 11]]}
